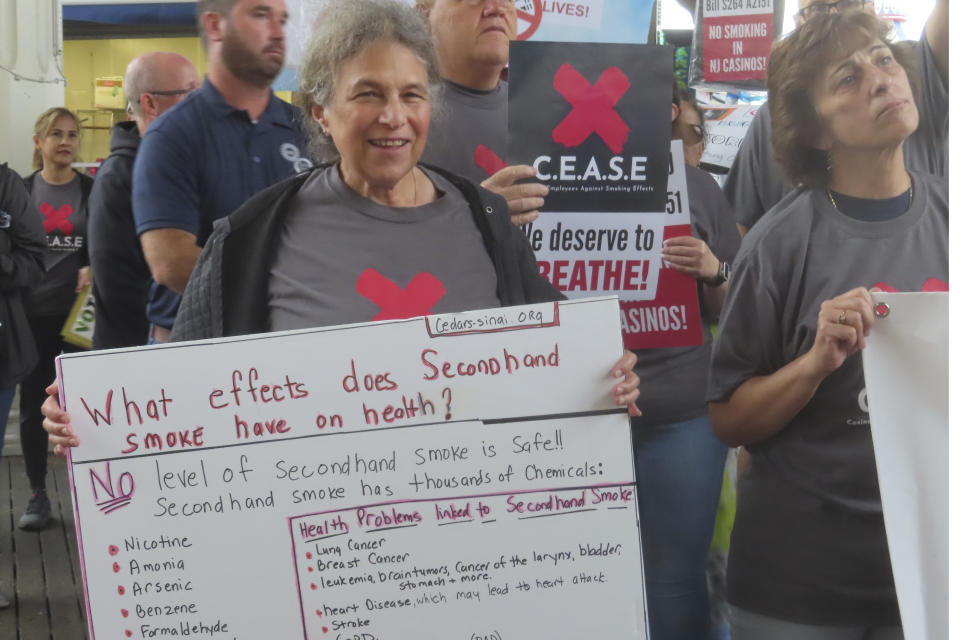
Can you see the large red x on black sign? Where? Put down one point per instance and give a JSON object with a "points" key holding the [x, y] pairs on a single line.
{"points": [[417, 299], [56, 218], [592, 107]]}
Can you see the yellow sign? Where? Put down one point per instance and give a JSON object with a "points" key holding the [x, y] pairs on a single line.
{"points": [[78, 329], [108, 93]]}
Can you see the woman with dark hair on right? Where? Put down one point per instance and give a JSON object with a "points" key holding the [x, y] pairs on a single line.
{"points": [[809, 557]]}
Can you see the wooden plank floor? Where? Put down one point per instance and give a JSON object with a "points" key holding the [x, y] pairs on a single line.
{"points": [[39, 572]]}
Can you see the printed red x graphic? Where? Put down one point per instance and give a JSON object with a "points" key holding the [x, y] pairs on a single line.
{"points": [[592, 107], [487, 160], [931, 284], [56, 218], [417, 299]]}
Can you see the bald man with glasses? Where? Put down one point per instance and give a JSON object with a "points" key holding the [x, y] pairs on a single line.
{"points": [[154, 82]]}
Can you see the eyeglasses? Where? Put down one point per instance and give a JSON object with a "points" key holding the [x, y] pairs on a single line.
{"points": [[821, 8], [691, 134], [171, 92]]}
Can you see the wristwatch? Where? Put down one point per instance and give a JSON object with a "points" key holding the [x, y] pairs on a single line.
{"points": [[723, 274]]}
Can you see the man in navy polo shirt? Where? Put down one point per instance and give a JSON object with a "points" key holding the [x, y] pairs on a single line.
{"points": [[203, 158]]}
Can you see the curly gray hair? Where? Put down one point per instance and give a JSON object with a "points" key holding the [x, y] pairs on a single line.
{"points": [[344, 29]]}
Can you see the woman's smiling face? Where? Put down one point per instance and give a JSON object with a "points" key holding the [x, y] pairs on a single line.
{"points": [[379, 116]]}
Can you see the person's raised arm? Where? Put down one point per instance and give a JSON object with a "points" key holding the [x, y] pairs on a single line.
{"points": [[937, 33]]}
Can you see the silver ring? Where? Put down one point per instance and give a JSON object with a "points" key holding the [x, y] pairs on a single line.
{"points": [[842, 318]]}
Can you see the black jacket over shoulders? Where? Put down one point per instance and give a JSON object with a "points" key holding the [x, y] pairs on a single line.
{"points": [[227, 293]]}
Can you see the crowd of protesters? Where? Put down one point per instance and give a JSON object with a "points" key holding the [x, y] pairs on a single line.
{"points": [[223, 210]]}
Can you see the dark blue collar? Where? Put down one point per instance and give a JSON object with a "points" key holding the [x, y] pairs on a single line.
{"points": [[873, 209], [275, 113]]}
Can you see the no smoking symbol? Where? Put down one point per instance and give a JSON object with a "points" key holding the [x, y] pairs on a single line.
{"points": [[529, 13]]}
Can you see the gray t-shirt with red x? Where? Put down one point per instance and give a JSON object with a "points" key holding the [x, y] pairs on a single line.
{"points": [[468, 132], [809, 543], [343, 258]]}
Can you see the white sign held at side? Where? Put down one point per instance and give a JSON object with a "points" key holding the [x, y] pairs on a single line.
{"points": [[906, 370]]}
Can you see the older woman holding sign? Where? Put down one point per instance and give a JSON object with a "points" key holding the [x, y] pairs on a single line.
{"points": [[809, 556], [373, 235]]}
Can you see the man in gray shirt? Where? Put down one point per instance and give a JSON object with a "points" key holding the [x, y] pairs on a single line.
{"points": [[756, 182], [468, 134]]}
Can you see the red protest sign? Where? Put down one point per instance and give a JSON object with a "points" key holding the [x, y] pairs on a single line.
{"points": [[737, 37], [672, 319]]}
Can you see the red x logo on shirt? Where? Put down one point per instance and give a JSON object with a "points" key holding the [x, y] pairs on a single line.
{"points": [[56, 218], [417, 299], [592, 107], [931, 284]]}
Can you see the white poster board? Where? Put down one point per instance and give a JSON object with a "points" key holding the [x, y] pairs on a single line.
{"points": [[906, 369], [455, 476]]}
